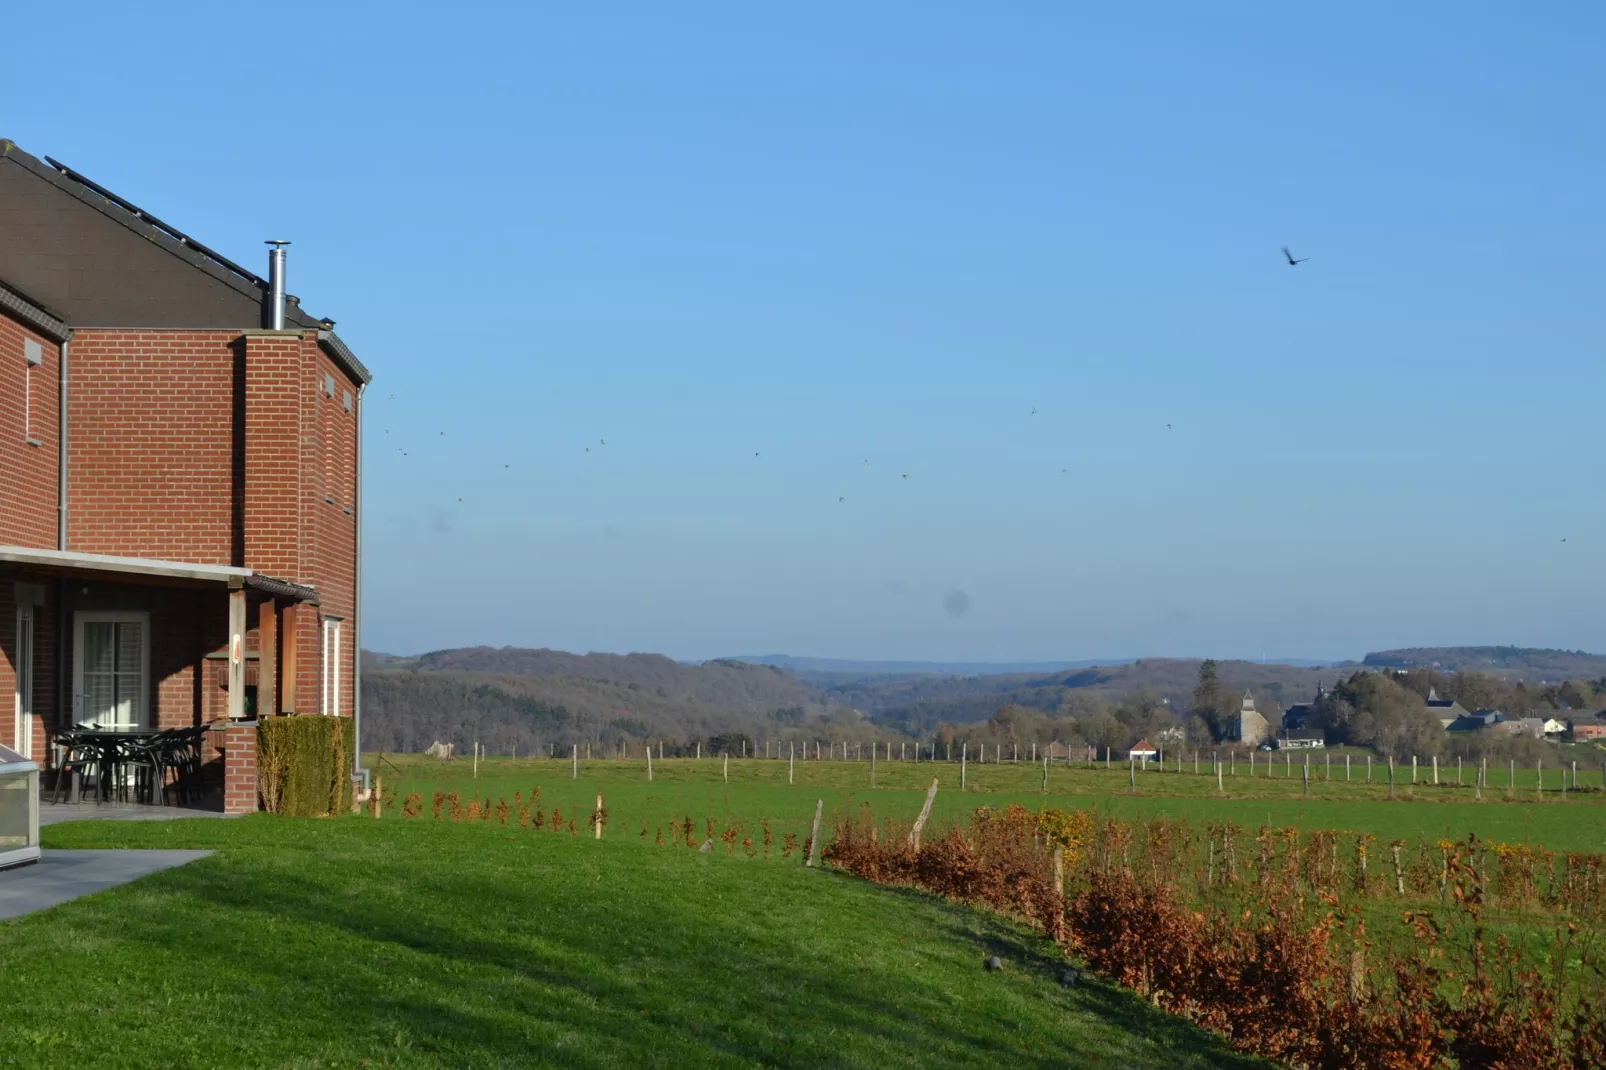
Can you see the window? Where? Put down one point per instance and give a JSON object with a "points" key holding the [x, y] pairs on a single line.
{"points": [[33, 355], [110, 668], [24, 676], [328, 385], [331, 666]]}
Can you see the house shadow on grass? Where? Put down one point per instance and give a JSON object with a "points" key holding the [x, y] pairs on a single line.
{"points": [[551, 951]]}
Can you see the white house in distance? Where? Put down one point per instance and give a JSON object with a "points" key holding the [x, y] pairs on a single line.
{"points": [[1250, 729]]}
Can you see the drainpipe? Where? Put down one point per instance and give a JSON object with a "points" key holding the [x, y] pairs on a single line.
{"points": [[356, 603], [63, 701]]}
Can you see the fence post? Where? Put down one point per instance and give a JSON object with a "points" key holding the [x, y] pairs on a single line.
{"points": [[649, 763], [727, 767], [1511, 778], [1329, 758], [379, 796], [1391, 779], [1220, 788], [1132, 773], [699, 750], [1413, 769], [814, 837], [599, 816], [1368, 768], [476, 759], [574, 761], [925, 812], [964, 750], [1306, 768], [791, 760], [872, 764], [1539, 772], [1435, 770]]}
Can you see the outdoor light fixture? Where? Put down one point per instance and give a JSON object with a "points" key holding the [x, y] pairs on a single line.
{"points": [[19, 809]]}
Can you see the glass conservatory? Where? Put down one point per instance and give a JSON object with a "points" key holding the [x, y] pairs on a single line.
{"points": [[19, 809]]}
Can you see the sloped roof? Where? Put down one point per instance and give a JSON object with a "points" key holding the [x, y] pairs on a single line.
{"points": [[93, 259]]}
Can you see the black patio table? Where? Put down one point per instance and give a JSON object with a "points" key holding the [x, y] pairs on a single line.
{"points": [[111, 745]]}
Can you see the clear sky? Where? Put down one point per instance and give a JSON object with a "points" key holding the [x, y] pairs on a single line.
{"points": [[753, 250]]}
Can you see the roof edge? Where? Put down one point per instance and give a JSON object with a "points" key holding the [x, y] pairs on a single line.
{"points": [[33, 316], [331, 343]]}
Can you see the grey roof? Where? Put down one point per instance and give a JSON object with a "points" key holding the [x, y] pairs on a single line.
{"points": [[250, 290], [34, 315]]}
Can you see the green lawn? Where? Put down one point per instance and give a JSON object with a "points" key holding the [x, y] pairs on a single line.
{"points": [[758, 789], [352, 942]]}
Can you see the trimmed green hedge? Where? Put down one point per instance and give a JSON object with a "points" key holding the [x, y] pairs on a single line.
{"points": [[304, 763]]}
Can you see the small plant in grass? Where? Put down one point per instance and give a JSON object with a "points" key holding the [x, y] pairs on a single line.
{"points": [[413, 805]]}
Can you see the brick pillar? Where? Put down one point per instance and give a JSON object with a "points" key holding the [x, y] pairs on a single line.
{"points": [[239, 749]]}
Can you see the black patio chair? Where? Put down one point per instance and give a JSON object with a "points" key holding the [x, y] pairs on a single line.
{"points": [[79, 759]]}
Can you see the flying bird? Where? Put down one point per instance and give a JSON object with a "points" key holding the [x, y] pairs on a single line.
{"points": [[1168, 427], [1291, 261], [755, 453], [401, 451], [906, 475], [393, 397], [840, 500], [603, 441], [1034, 410]]}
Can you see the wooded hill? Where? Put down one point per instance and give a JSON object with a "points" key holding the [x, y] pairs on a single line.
{"points": [[1530, 664]]}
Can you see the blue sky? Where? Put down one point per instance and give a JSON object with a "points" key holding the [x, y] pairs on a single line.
{"points": [[885, 233]]}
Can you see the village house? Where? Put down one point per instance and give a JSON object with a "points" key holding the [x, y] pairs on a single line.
{"points": [[1589, 726], [1447, 710], [180, 466]]}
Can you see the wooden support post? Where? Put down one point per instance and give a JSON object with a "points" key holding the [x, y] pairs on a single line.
{"points": [[598, 816], [289, 629], [236, 654], [1368, 768], [1329, 758], [1132, 773], [1435, 770], [267, 658], [1539, 778], [1220, 787], [964, 749], [872, 764], [1059, 870], [1306, 768], [791, 762], [925, 812], [574, 762], [1346, 769], [1413, 769], [727, 767], [649, 763], [1391, 776], [379, 797], [1045, 775], [814, 837], [476, 759]]}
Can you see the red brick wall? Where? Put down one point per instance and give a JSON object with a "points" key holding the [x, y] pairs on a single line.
{"points": [[152, 452], [28, 474], [150, 444], [239, 748]]}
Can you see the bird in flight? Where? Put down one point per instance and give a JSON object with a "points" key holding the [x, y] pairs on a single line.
{"points": [[840, 500], [401, 451], [755, 453], [906, 475], [867, 464], [1168, 427], [603, 441], [1564, 540], [393, 397], [460, 501], [1034, 410], [1291, 261]]}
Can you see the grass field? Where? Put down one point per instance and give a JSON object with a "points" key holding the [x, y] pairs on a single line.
{"points": [[351, 942], [758, 790]]}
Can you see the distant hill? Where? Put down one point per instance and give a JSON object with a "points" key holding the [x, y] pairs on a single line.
{"points": [[407, 711], [918, 705], [848, 667], [1529, 664], [730, 684]]}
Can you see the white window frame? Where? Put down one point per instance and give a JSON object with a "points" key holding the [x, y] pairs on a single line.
{"points": [[330, 666], [112, 616], [23, 673]]}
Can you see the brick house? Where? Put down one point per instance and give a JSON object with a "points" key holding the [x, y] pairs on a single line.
{"points": [[180, 477]]}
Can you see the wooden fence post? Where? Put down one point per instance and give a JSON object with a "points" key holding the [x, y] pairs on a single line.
{"points": [[1435, 770], [1391, 776], [925, 812], [599, 816], [964, 749], [1306, 768], [1044, 790], [476, 759], [1132, 773], [379, 796], [873, 749], [574, 766], [814, 837], [1220, 789], [791, 761], [1059, 870], [727, 767], [649, 763]]}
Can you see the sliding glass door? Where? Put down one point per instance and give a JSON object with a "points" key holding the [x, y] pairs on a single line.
{"points": [[110, 658]]}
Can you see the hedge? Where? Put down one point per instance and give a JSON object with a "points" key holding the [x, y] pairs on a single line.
{"points": [[304, 763]]}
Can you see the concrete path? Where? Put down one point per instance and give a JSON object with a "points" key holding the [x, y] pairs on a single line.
{"points": [[62, 875]]}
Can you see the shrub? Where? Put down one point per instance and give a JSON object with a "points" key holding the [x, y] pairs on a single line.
{"points": [[303, 765]]}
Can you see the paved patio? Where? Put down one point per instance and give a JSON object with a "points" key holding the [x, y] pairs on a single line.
{"points": [[55, 813], [59, 876]]}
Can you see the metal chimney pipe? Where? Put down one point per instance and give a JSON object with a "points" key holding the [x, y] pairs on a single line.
{"points": [[276, 283]]}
